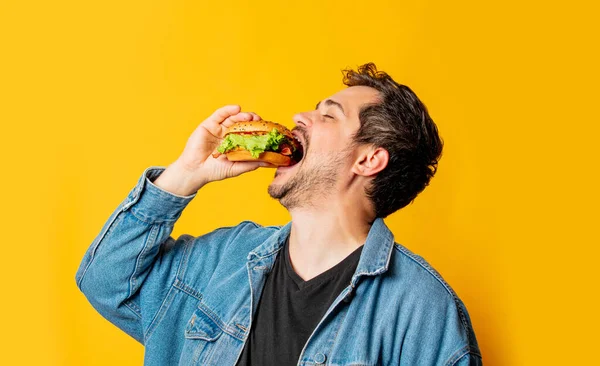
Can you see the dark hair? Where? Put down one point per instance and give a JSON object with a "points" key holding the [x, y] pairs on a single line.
{"points": [[400, 124]]}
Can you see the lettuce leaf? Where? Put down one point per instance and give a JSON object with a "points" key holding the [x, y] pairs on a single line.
{"points": [[256, 144]]}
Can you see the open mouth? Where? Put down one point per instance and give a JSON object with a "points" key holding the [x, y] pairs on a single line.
{"points": [[298, 155]]}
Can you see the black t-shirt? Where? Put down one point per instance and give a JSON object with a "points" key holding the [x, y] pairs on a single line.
{"points": [[290, 308]]}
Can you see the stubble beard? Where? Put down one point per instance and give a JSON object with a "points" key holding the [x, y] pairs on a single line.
{"points": [[312, 184]]}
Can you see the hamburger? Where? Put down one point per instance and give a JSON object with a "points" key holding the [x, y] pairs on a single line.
{"points": [[260, 141]]}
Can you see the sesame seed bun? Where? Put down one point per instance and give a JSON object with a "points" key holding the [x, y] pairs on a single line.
{"points": [[259, 126]]}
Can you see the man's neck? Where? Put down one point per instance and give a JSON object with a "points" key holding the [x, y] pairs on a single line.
{"points": [[320, 239]]}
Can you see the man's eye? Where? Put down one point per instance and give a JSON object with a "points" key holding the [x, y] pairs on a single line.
{"points": [[327, 116]]}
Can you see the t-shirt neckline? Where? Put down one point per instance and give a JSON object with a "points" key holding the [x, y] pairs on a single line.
{"points": [[332, 272]]}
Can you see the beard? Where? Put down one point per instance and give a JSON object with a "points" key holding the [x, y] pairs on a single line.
{"points": [[314, 181]]}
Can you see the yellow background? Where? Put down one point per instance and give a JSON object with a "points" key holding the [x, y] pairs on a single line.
{"points": [[92, 93]]}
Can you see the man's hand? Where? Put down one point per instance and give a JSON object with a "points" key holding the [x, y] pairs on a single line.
{"points": [[196, 166]]}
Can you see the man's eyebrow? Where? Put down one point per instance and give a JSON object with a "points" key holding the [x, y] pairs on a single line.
{"points": [[332, 102]]}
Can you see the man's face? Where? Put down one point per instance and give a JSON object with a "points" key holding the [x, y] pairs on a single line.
{"points": [[326, 135]]}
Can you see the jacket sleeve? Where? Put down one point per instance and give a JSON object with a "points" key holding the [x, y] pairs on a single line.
{"points": [[133, 253]]}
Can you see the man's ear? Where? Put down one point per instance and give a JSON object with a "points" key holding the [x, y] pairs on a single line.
{"points": [[371, 161]]}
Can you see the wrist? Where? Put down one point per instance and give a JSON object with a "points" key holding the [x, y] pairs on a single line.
{"points": [[175, 179]]}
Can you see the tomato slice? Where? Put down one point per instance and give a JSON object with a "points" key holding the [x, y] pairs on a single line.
{"points": [[286, 150]]}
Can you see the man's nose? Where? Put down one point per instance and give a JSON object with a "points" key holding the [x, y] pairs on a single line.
{"points": [[302, 119]]}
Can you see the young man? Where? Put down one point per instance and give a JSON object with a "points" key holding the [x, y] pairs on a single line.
{"points": [[330, 287]]}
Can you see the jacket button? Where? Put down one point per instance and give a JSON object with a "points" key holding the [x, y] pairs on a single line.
{"points": [[348, 297], [320, 358]]}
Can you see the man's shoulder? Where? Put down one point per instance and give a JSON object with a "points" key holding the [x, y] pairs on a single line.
{"points": [[239, 238], [252, 228], [429, 294], [245, 227], [255, 225], [223, 249], [407, 264]]}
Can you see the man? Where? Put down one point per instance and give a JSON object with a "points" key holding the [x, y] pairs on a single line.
{"points": [[330, 287]]}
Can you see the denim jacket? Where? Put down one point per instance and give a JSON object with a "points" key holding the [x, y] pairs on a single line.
{"points": [[190, 300]]}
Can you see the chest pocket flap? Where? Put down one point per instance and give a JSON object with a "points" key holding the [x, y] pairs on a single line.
{"points": [[202, 326]]}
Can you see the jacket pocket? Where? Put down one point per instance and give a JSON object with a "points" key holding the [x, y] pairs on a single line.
{"points": [[203, 325], [201, 333]]}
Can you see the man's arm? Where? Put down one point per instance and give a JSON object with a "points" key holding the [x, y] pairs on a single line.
{"points": [[134, 255], [133, 240]]}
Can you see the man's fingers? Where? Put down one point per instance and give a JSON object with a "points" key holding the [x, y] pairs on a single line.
{"points": [[222, 113], [213, 124], [225, 117], [240, 117]]}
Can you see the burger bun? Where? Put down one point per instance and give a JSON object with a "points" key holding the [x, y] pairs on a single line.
{"points": [[275, 159]]}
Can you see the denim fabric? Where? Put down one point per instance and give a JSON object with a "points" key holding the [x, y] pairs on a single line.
{"points": [[189, 300]]}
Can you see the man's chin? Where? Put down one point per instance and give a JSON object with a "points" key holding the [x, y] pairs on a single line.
{"points": [[283, 182], [276, 190]]}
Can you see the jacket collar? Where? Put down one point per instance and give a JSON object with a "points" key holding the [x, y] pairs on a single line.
{"points": [[376, 254], [374, 258]]}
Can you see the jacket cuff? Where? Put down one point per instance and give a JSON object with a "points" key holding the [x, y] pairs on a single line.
{"points": [[152, 204]]}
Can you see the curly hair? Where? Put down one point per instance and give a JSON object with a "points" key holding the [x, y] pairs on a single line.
{"points": [[400, 124]]}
